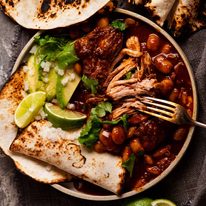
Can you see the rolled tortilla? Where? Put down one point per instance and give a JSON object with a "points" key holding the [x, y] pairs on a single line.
{"points": [[10, 97], [36, 14], [62, 149], [160, 9]]}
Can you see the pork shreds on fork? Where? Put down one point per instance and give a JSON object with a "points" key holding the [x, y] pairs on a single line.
{"points": [[97, 51]]}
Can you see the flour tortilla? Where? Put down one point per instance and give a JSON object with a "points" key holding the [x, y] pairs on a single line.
{"points": [[37, 14], [10, 97], [160, 9], [62, 149], [184, 16]]}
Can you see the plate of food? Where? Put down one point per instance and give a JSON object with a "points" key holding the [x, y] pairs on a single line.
{"points": [[70, 111]]}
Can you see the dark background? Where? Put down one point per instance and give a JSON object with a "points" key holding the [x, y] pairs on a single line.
{"points": [[185, 185]]}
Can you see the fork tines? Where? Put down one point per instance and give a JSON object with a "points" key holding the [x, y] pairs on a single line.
{"points": [[159, 108]]}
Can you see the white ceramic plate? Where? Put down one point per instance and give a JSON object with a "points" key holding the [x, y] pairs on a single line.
{"points": [[69, 189]]}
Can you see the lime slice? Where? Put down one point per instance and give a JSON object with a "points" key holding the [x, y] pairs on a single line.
{"points": [[63, 118], [29, 108], [162, 202], [140, 202]]}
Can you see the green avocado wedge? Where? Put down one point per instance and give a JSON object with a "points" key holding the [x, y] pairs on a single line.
{"points": [[32, 76], [51, 85], [65, 92]]}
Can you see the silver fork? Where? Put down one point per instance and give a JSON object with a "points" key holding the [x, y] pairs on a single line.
{"points": [[168, 111]]}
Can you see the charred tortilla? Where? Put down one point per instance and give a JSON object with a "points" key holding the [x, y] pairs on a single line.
{"points": [[36, 14], [62, 149], [10, 97]]}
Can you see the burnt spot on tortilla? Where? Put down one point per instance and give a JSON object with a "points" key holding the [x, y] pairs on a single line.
{"points": [[45, 5], [74, 152], [50, 8], [69, 1]]}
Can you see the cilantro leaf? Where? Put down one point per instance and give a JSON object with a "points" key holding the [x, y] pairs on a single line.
{"points": [[119, 25], [67, 56], [122, 119], [101, 109], [90, 133], [90, 84], [128, 75], [129, 164], [56, 49], [107, 106]]}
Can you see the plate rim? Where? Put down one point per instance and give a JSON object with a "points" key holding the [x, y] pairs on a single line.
{"points": [[85, 196]]}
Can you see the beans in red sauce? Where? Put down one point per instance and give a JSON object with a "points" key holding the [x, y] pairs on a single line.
{"points": [[159, 141]]}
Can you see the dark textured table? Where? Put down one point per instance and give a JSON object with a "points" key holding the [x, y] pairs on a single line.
{"points": [[185, 184]]}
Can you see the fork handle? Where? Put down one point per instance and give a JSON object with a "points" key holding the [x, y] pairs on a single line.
{"points": [[196, 123]]}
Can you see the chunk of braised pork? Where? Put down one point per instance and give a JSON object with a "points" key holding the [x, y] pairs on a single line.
{"points": [[97, 50]]}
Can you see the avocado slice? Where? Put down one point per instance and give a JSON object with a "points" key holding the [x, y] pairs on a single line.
{"points": [[64, 93], [32, 76], [52, 84]]}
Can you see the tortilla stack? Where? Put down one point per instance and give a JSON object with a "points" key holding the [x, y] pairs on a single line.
{"points": [[36, 14], [10, 96], [62, 149]]}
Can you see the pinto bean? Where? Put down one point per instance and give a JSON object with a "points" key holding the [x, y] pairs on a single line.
{"points": [[162, 152], [118, 135], [137, 118], [166, 85], [163, 64], [130, 22], [174, 95], [131, 132], [189, 102], [136, 146], [154, 170], [180, 134], [164, 163], [184, 98], [105, 138], [153, 42], [99, 147], [126, 153], [148, 159], [166, 48], [78, 68], [103, 22]]}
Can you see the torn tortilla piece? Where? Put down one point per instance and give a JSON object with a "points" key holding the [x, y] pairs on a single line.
{"points": [[184, 16], [160, 9], [10, 97], [34, 14], [62, 149]]}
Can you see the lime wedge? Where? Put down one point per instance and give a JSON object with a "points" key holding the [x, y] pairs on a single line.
{"points": [[29, 108], [139, 202], [162, 202], [63, 118]]}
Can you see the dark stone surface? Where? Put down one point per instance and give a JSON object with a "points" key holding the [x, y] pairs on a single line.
{"points": [[181, 185]]}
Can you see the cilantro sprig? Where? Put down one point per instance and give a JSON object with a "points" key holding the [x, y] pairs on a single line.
{"points": [[90, 133], [129, 164], [90, 84], [60, 50], [118, 24]]}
